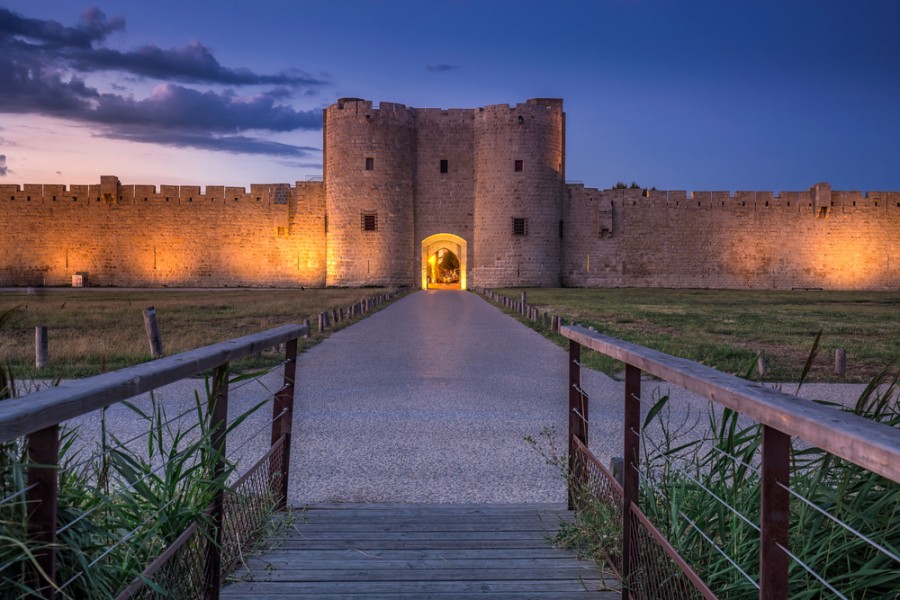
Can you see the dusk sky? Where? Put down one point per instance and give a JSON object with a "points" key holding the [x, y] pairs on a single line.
{"points": [[694, 95]]}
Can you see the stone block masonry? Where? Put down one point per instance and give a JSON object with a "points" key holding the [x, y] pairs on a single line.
{"points": [[141, 236], [400, 183]]}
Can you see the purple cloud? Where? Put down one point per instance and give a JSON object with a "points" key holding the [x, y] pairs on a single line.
{"points": [[442, 68], [3, 168], [42, 64]]}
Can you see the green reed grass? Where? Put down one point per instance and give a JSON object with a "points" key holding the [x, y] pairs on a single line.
{"points": [[723, 458], [147, 496]]}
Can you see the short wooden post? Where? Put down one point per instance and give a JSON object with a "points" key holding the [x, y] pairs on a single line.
{"points": [[306, 333], [554, 324], [41, 346], [524, 302], [218, 414], [282, 418], [630, 456], [775, 514], [762, 364], [151, 325], [840, 362], [43, 482]]}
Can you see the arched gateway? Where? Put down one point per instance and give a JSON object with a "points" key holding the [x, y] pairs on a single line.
{"points": [[433, 244]]}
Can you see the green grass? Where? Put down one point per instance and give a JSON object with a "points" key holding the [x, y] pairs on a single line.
{"points": [[726, 329], [91, 331]]}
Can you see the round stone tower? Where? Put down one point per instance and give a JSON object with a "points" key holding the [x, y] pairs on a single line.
{"points": [[369, 157], [519, 183]]}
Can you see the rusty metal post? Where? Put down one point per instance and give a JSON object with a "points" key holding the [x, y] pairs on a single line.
{"points": [[218, 409], [775, 514], [281, 425], [576, 424], [43, 482], [630, 456]]}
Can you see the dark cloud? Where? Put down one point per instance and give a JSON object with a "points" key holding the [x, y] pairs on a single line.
{"points": [[193, 63], [3, 168], [77, 48], [179, 107], [442, 68], [94, 27], [43, 65], [237, 144]]}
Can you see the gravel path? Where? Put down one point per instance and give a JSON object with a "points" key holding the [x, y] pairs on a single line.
{"points": [[428, 400]]}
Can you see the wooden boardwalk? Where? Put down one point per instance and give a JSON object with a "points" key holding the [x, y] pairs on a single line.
{"points": [[422, 551]]}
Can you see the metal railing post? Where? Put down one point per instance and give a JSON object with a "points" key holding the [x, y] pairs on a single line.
{"points": [[281, 425], [775, 514], [577, 418], [43, 483], [631, 457], [218, 410]]}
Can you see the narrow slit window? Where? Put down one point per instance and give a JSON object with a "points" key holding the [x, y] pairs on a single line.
{"points": [[444, 165], [519, 165], [520, 226], [370, 163], [369, 221]]}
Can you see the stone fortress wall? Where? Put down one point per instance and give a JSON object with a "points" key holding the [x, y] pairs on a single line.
{"points": [[489, 183], [141, 235]]}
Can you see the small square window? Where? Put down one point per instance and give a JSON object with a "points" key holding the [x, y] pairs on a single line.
{"points": [[444, 165], [520, 166], [520, 226], [370, 221], [370, 163]]}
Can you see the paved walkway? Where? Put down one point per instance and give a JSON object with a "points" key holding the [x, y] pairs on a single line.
{"points": [[428, 400]]}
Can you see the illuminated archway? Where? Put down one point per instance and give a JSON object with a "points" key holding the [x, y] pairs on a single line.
{"points": [[454, 243]]}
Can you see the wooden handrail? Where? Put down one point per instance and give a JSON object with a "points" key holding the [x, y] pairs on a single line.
{"points": [[25, 415], [871, 445]]}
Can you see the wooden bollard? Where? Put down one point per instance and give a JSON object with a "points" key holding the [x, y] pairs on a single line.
{"points": [[151, 325], [524, 302], [306, 323], [554, 324], [762, 364], [840, 362], [41, 346]]}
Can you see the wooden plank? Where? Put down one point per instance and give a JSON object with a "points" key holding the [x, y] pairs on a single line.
{"points": [[26, 414], [364, 595], [385, 553], [580, 573], [256, 589], [287, 562], [303, 556], [873, 446]]}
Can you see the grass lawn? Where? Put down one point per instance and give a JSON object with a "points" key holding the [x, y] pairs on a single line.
{"points": [[92, 330], [726, 329]]}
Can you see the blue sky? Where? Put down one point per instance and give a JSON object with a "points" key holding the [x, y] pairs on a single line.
{"points": [[696, 95]]}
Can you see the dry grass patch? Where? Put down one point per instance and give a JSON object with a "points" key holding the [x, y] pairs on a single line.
{"points": [[94, 330]]}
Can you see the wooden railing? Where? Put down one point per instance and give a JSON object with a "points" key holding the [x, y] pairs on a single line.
{"points": [[870, 445], [37, 417]]}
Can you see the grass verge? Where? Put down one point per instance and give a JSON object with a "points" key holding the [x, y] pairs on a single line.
{"points": [[727, 329], [96, 330]]}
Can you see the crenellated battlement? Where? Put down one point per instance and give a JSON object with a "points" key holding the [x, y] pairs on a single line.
{"points": [[801, 202], [266, 193], [489, 182]]}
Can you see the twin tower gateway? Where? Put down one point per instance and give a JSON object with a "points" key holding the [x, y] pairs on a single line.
{"points": [[403, 185]]}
